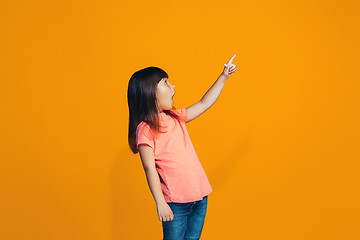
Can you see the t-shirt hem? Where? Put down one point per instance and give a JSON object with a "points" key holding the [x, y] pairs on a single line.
{"points": [[185, 201]]}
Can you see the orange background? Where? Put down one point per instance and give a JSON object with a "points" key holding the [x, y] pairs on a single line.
{"points": [[280, 146]]}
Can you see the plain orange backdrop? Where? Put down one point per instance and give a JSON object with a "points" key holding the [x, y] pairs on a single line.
{"points": [[280, 146]]}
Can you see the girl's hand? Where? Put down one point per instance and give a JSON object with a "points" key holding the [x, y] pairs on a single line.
{"points": [[229, 67], [164, 212]]}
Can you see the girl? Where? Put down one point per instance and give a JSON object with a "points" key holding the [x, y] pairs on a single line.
{"points": [[157, 131]]}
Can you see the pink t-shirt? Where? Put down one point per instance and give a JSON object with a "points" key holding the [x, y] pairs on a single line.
{"points": [[181, 174]]}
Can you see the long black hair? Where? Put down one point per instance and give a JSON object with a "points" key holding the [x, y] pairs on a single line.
{"points": [[142, 102]]}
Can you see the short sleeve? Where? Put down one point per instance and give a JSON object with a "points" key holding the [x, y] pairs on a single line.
{"points": [[144, 135], [182, 113]]}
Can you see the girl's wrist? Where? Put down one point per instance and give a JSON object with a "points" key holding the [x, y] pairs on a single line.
{"points": [[162, 202], [223, 76]]}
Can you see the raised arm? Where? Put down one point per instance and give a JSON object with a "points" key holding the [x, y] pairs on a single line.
{"points": [[212, 94]]}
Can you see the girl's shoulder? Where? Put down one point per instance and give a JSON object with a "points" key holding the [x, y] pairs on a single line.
{"points": [[142, 125], [180, 112]]}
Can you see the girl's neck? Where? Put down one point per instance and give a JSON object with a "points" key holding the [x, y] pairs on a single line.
{"points": [[160, 111]]}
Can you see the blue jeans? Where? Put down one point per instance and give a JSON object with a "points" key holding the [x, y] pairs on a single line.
{"points": [[188, 220]]}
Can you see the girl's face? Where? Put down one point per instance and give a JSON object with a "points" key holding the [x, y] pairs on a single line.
{"points": [[164, 94]]}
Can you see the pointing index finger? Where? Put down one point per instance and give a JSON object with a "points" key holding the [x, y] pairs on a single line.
{"points": [[231, 59]]}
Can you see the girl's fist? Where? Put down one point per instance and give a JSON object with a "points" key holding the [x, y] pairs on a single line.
{"points": [[164, 212]]}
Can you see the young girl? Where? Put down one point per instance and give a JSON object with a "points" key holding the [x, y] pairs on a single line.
{"points": [[157, 131]]}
